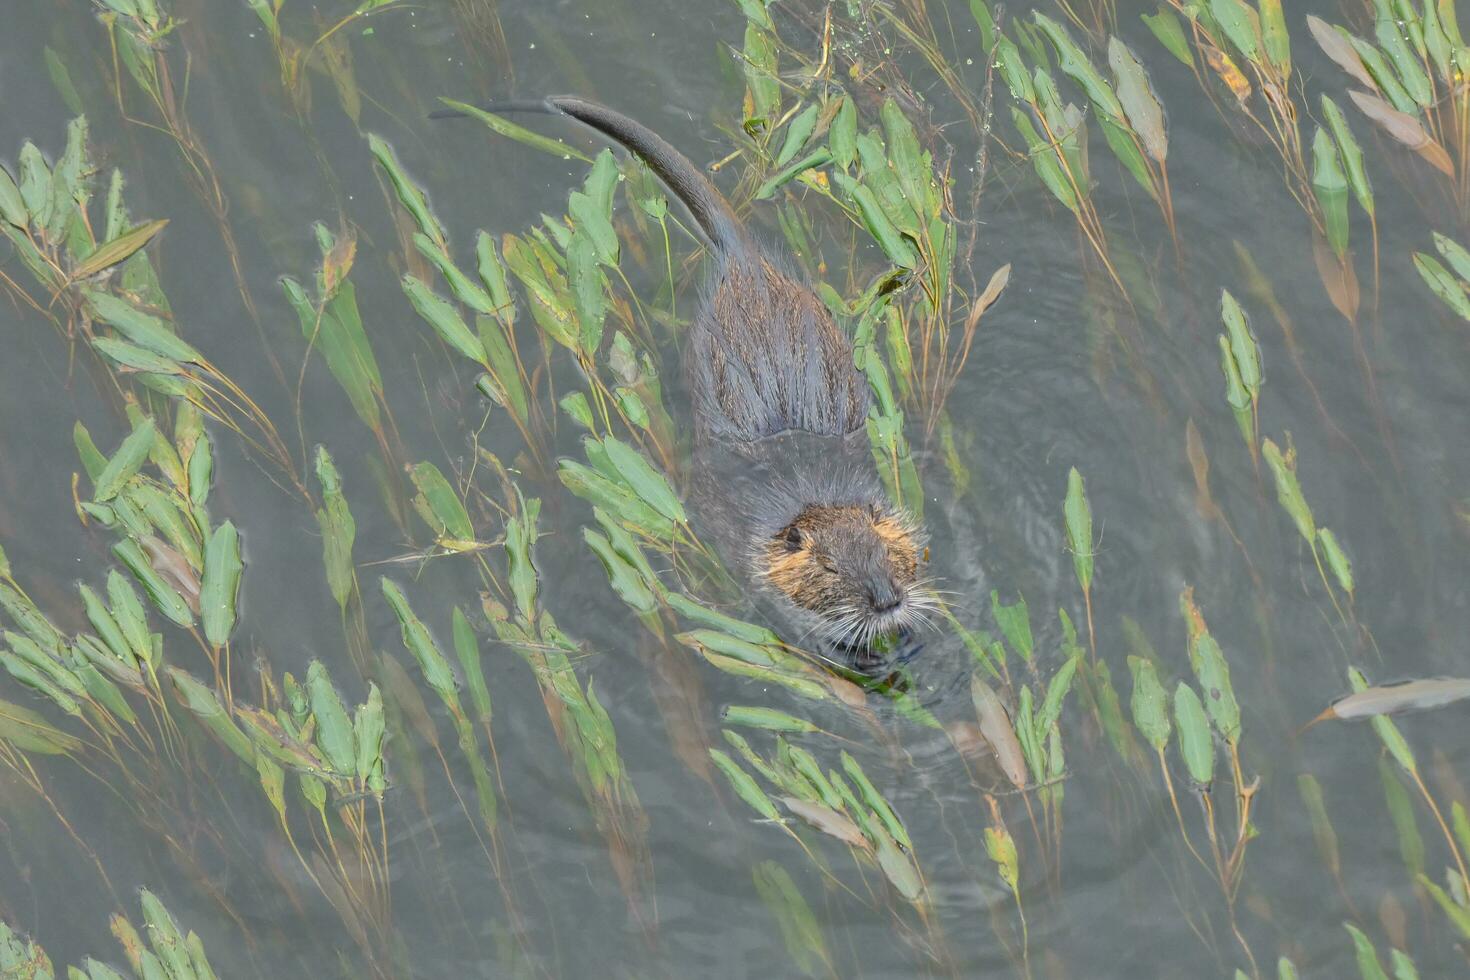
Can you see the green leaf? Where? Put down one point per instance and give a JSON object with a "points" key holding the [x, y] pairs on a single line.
{"points": [[767, 718], [1331, 187], [625, 579], [1458, 914], [894, 245], [439, 504], [440, 314], [1449, 289], [1244, 350], [1289, 491], [420, 643], [205, 705], [409, 194], [744, 786], [1195, 745], [29, 732], [1337, 559], [1240, 24], [338, 530], [1401, 811], [1079, 528], [164, 596], [143, 329], [760, 74], [1015, 623], [1274, 36], [1072, 60], [1140, 103], [842, 135], [650, 485], [1366, 955], [1387, 731], [220, 583], [110, 253], [1407, 64], [467, 649], [1352, 154], [875, 801], [1454, 254], [1166, 27], [126, 462], [1322, 830], [519, 134], [798, 131], [334, 735]]}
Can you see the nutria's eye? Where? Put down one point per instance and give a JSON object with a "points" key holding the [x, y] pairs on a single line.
{"points": [[793, 538]]}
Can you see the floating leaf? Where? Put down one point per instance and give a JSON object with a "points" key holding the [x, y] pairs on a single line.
{"points": [[334, 733], [1274, 36], [1289, 491], [1352, 154], [1240, 24], [1404, 128], [110, 253], [440, 505], [1337, 559], [126, 462], [1014, 622], [440, 314], [1449, 289], [1166, 27], [1075, 63], [220, 584], [1142, 106], [420, 643], [1079, 528], [842, 134], [1195, 745], [650, 485], [409, 194], [1331, 187], [767, 718], [744, 786], [1337, 47], [520, 134]]}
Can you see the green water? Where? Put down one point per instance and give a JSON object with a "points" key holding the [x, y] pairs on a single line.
{"points": [[662, 869]]}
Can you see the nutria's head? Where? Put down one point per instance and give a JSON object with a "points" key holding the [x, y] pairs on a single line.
{"points": [[852, 570]]}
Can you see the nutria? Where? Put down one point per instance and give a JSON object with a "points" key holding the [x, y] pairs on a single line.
{"points": [[783, 477]]}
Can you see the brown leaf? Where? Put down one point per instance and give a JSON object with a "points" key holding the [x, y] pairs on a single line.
{"points": [[995, 725], [1337, 277], [109, 254], [1339, 49], [987, 299], [174, 567], [1199, 463], [1400, 125], [1223, 66], [1404, 128], [827, 820], [337, 264]]}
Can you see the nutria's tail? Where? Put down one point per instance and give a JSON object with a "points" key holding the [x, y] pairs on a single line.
{"points": [[710, 209]]}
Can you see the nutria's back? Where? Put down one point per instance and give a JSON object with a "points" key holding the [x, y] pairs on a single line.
{"points": [[765, 356]]}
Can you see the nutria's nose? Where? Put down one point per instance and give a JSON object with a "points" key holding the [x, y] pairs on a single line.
{"points": [[884, 598]]}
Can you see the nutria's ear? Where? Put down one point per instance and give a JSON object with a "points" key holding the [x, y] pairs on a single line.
{"points": [[877, 511], [793, 538]]}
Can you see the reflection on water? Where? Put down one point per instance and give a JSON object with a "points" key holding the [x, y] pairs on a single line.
{"points": [[589, 760]]}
